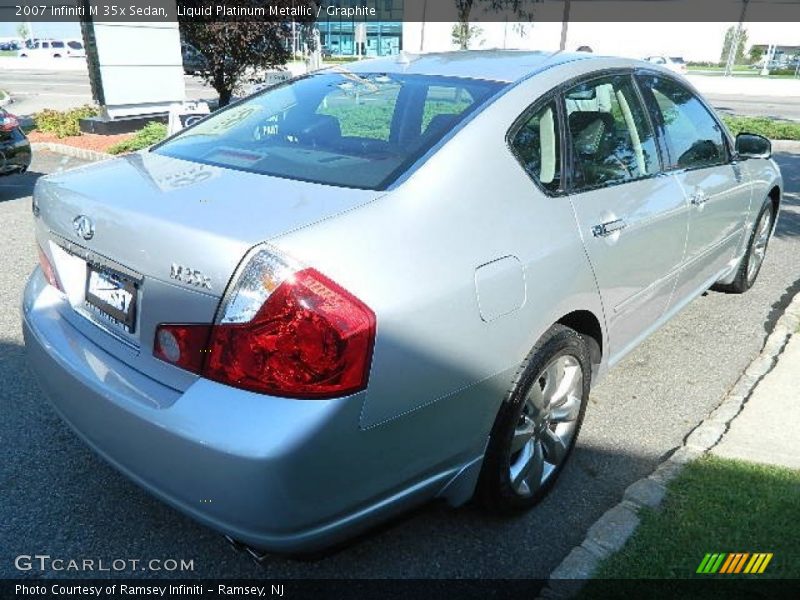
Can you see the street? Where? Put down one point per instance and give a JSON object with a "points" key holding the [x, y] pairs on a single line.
{"points": [[35, 90], [68, 503]]}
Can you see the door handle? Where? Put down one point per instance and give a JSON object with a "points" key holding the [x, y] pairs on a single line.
{"points": [[606, 229], [699, 198]]}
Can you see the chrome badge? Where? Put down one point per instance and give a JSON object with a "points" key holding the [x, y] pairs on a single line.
{"points": [[189, 276], [83, 226]]}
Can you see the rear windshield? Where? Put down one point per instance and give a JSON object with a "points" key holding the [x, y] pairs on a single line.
{"points": [[336, 128]]}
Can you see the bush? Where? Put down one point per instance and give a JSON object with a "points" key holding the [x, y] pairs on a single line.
{"points": [[770, 128], [150, 134], [63, 123]]}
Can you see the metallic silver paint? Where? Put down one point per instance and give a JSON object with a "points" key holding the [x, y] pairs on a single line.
{"points": [[448, 341]]}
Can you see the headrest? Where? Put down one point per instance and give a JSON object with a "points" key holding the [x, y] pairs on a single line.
{"points": [[440, 124], [588, 128]]}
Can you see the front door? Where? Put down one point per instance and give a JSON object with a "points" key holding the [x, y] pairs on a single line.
{"points": [[633, 218], [714, 185]]}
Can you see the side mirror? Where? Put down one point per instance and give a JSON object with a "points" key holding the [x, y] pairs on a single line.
{"points": [[750, 145]]}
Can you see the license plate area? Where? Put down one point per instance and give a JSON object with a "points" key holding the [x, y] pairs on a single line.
{"points": [[112, 296]]}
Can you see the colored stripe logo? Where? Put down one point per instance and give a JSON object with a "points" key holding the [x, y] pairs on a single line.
{"points": [[727, 563]]}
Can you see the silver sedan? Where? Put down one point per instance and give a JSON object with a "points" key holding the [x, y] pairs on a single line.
{"points": [[364, 289]]}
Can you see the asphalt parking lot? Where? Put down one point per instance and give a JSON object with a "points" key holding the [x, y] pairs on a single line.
{"points": [[61, 500]]}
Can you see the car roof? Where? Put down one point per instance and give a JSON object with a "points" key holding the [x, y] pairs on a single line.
{"points": [[507, 66]]}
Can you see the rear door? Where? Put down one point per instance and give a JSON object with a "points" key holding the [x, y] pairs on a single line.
{"points": [[699, 156], [633, 219]]}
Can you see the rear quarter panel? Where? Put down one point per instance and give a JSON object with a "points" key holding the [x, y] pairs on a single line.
{"points": [[412, 257]]}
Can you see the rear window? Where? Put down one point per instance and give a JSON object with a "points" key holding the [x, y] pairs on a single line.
{"points": [[336, 128]]}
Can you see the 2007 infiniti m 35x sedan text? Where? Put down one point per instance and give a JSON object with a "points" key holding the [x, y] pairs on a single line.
{"points": [[367, 288]]}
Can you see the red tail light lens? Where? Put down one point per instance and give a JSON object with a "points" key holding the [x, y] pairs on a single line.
{"points": [[311, 339], [48, 270], [284, 333], [8, 122]]}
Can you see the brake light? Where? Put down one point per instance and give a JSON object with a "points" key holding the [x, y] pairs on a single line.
{"points": [[48, 270], [8, 122], [284, 331]]}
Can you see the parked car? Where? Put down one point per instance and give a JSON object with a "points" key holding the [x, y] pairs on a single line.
{"points": [[75, 48], [368, 288], [193, 60], [15, 150], [9, 46], [673, 63], [44, 49]]}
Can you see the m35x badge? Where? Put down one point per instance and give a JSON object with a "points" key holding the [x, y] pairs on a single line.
{"points": [[189, 276]]}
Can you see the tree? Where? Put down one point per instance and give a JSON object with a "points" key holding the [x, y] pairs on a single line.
{"points": [[232, 48], [730, 34], [23, 31], [757, 53], [465, 34]]}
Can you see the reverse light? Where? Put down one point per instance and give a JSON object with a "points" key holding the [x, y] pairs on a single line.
{"points": [[48, 270], [284, 330], [8, 122]]}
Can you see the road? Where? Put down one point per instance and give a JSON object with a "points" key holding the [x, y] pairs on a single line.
{"points": [[35, 90], [776, 107], [62, 500]]}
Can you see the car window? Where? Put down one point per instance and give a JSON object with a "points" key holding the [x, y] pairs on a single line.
{"points": [[443, 104], [694, 138], [611, 137], [57, 44], [335, 127], [75, 45], [360, 111], [537, 147]]}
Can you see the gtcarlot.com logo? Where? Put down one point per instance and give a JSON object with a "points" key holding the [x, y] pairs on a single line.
{"points": [[45, 562]]}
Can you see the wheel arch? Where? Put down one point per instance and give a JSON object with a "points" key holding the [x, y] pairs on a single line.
{"points": [[587, 325]]}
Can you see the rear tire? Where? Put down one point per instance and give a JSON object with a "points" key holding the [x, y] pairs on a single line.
{"points": [[538, 423], [753, 260]]}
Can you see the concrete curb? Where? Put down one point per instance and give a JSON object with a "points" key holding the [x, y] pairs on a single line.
{"points": [[81, 153], [610, 532]]}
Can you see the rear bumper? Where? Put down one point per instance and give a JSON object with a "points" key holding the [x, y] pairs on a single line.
{"points": [[15, 154], [261, 470]]}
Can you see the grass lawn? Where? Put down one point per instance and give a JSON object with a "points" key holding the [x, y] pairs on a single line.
{"points": [[8, 52], [715, 505], [771, 128]]}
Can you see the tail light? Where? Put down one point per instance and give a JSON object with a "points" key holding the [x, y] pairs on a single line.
{"points": [[8, 122], [283, 330], [48, 270]]}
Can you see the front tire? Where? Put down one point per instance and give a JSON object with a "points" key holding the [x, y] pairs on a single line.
{"points": [[753, 260], [538, 423]]}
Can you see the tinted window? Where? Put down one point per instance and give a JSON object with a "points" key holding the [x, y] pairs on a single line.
{"points": [[75, 45], [443, 104], [611, 137], [339, 128], [537, 147], [58, 44], [694, 139]]}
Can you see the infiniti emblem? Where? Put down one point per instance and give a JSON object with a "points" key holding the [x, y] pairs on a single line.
{"points": [[83, 226]]}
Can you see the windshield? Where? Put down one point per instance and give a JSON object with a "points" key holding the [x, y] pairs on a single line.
{"points": [[335, 127]]}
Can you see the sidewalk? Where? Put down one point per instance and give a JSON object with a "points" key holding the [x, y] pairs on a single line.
{"points": [[768, 428]]}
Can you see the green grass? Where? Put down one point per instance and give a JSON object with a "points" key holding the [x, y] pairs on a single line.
{"points": [[715, 505], [771, 128], [8, 52], [150, 134]]}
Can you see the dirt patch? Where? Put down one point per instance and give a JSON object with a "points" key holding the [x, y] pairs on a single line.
{"points": [[87, 141]]}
